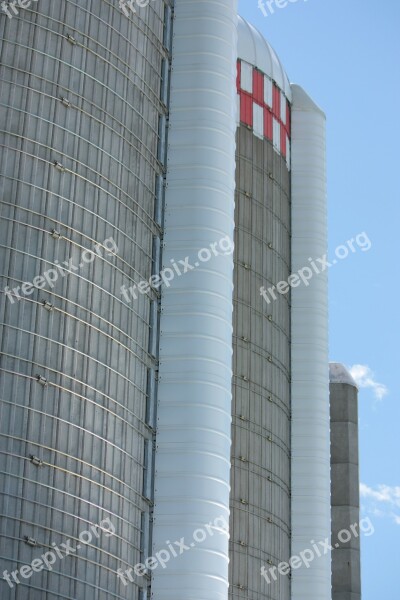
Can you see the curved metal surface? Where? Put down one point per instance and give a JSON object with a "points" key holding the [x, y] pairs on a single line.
{"points": [[339, 374], [260, 501], [310, 373], [255, 50], [80, 105], [194, 395]]}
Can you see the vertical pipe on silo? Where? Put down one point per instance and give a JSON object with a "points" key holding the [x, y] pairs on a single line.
{"points": [[192, 467], [310, 380]]}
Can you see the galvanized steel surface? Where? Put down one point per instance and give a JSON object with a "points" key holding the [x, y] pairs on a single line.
{"points": [[260, 498], [79, 126]]}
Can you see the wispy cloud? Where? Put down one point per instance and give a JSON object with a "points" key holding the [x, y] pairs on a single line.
{"points": [[396, 519], [382, 500], [365, 378]]}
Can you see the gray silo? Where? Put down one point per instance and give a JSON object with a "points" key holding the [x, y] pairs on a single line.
{"points": [[82, 127], [260, 497], [346, 570]]}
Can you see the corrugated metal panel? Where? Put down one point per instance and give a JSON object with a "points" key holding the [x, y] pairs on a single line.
{"points": [[283, 141], [268, 91], [310, 385], [258, 120], [238, 76], [246, 77], [258, 86], [92, 103], [288, 119], [283, 108], [246, 109], [194, 397], [276, 102], [268, 124], [265, 94], [260, 497], [288, 157], [276, 126]]}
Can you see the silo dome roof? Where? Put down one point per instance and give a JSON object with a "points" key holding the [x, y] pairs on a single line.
{"points": [[339, 374], [254, 49]]}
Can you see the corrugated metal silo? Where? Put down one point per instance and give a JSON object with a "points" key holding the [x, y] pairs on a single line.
{"points": [[82, 124], [260, 498]]}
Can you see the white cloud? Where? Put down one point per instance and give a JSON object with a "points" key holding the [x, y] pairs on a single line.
{"points": [[382, 500], [365, 378], [396, 519]]}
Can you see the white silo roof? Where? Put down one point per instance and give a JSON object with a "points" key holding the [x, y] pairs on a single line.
{"points": [[254, 49]]}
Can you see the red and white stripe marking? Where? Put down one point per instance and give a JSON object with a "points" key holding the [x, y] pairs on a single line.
{"points": [[263, 107]]}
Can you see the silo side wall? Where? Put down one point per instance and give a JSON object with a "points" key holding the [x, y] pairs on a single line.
{"points": [[77, 91], [194, 400], [310, 380], [260, 499]]}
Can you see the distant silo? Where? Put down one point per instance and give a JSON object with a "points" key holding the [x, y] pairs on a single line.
{"points": [[346, 571]]}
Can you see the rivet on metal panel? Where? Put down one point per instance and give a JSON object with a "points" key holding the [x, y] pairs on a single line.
{"points": [[247, 194], [270, 359], [270, 245], [271, 175], [246, 266], [270, 562], [245, 378], [47, 305], [242, 543], [58, 166], [242, 418], [269, 519], [241, 586], [270, 398], [30, 541], [269, 478], [71, 39], [269, 317], [243, 501], [35, 460], [55, 234], [269, 438], [243, 458], [41, 380], [245, 339], [66, 102]]}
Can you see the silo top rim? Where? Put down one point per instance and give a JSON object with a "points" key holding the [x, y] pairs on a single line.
{"points": [[254, 49], [339, 374]]}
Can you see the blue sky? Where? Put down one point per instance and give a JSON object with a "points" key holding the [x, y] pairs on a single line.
{"points": [[346, 56]]}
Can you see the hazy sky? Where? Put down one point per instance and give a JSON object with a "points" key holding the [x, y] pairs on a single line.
{"points": [[346, 55]]}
